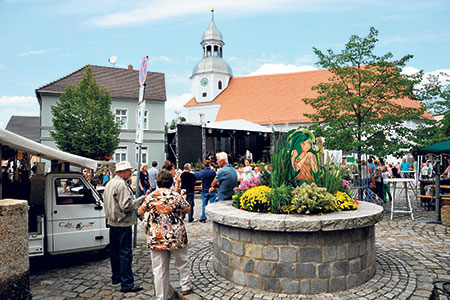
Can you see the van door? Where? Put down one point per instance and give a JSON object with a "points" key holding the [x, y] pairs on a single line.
{"points": [[75, 217]]}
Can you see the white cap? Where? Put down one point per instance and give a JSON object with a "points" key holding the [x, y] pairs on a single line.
{"points": [[123, 165]]}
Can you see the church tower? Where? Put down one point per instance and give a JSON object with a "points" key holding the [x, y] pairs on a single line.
{"points": [[212, 74]]}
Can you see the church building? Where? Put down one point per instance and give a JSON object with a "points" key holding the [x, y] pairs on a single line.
{"points": [[274, 101]]}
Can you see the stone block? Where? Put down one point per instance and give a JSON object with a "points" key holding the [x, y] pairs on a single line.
{"points": [[353, 250], [254, 281], [361, 277], [310, 254], [352, 281], [362, 247], [226, 245], [288, 254], [332, 238], [248, 265], [340, 268], [316, 238], [237, 248], [283, 270], [234, 262], [363, 262], [234, 233], [254, 251], [355, 266], [227, 273], [445, 215], [298, 238], [329, 253], [305, 286], [260, 237], [271, 253], [342, 252], [245, 235], [289, 286], [272, 284], [324, 270], [279, 238], [305, 271], [263, 269], [239, 278], [319, 286], [225, 231], [337, 284], [223, 257]]}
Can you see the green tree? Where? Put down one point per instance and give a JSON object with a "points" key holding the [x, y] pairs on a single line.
{"points": [[83, 121], [434, 94], [359, 109]]}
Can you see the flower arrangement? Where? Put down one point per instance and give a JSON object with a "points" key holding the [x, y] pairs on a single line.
{"points": [[344, 202], [256, 199], [242, 188], [311, 199]]}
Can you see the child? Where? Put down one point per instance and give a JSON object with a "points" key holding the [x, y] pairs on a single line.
{"points": [[386, 185]]}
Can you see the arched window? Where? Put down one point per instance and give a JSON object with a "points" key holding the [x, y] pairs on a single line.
{"points": [[219, 84]]}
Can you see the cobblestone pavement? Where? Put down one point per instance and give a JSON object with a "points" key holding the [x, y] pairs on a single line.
{"points": [[410, 256]]}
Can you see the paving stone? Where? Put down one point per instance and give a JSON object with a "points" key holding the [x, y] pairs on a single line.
{"points": [[409, 256]]}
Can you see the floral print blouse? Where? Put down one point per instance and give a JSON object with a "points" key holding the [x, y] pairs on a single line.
{"points": [[162, 214]]}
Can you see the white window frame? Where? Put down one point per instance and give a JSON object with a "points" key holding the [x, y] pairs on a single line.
{"points": [[122, 149], [146, 114], [124, 125], [144, 151]]}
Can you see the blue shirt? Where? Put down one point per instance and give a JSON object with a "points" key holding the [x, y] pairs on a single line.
{"points": [[372, 167], [227, 176], [405, 166], [207, 176], [152, 173]]}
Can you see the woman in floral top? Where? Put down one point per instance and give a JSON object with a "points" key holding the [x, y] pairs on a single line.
{"points": [[162, 214]]}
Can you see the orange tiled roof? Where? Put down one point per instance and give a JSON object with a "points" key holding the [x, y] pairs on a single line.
{"points": [[277, 98]]}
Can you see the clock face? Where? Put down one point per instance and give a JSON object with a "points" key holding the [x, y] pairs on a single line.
{"points": [[204, 82]]}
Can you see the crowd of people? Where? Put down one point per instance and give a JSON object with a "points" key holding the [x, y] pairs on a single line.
{"points": [[165, 198]]}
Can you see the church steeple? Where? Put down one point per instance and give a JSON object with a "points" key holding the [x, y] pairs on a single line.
{"points": [[212, 73]]}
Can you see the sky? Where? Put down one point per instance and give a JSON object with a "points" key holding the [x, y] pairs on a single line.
{"points": [[44, 40]]}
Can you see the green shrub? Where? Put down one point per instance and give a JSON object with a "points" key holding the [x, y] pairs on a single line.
{"points": [[279, 197], [311, 199]]}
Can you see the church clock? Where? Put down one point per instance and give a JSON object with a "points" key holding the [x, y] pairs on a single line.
{"points": [[204, 82]]}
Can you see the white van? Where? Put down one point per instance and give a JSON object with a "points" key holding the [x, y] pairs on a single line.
{"points": [[66, 215]]}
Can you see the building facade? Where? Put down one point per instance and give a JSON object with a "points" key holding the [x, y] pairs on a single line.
{"points": [[123, 86]]}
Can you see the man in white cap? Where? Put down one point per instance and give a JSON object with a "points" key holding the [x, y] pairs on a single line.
{"points": [[120, 209]]}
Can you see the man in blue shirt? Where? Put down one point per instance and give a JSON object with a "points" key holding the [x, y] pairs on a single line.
{"points": [[207, 176], [226, 177], [404, 167]]}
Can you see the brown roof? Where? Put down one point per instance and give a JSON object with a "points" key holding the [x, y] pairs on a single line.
{"points": [[277, 98], [121, 83]]}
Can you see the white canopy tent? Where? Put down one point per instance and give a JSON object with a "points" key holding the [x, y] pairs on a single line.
{"points": [[238, 124], [20, 143]]}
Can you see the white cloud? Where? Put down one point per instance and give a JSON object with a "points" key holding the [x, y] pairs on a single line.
{"points": [[33, 52], [17, 106], [158, 10], [281, 68], [409, 70], [160, 58], [175, 104]]}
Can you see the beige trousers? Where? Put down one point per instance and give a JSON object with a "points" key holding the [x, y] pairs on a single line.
{"points": [[160, 265]]}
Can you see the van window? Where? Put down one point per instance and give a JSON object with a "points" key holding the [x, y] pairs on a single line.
{"points": [[72, 191]]}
